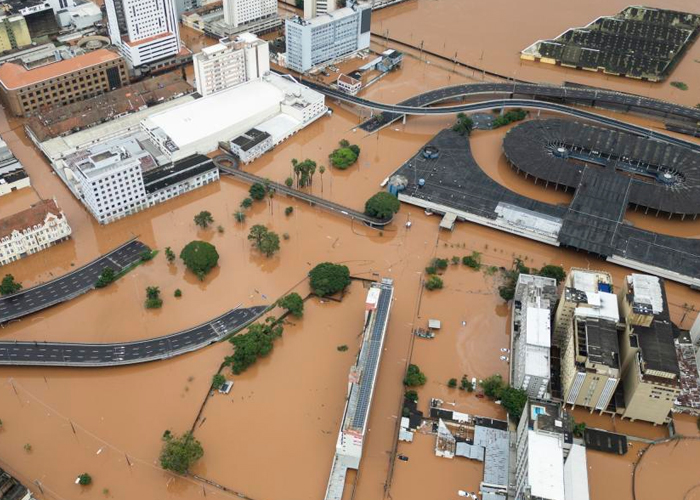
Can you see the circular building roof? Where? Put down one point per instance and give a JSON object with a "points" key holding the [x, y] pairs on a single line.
{"points": [[664, 177]]}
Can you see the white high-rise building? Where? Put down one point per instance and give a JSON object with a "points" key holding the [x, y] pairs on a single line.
{"points": [[230, 63], [144, 30], [237, 12], [313, 8], [328, 37]]}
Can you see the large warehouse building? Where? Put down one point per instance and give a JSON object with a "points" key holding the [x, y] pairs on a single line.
{"points": [[273, 103]]}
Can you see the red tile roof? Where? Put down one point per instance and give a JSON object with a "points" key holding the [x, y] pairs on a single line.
{"points": [[14, 76], [30, 217]]}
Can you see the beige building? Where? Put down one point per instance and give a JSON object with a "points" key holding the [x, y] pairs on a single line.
{"points": [[24, 90], [32, 230], [650, 370], [586, 322], [14, 32]]}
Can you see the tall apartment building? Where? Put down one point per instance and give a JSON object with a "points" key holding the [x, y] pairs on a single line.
{"points": [[548, 466], [238, 12], [144, 30], [328, 37], [230, 62], [32, 230], [578, 285], [313, 8], [14, 32], [587, 320], [650, 372], [12, 173], [182, 6], [25, 90], [531, 332]]}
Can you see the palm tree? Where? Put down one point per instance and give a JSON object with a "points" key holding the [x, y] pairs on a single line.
{"points": [[152, 292], [295, 162], [203, 219], [321, 170]]}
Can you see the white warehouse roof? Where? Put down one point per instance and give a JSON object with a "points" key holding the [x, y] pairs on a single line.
{"points": [[576, 474], [538, 327], [209, 116], [545, 466]]}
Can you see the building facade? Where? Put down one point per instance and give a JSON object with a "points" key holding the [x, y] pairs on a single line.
{"points": [[531, 332], [313, 8], [230, 63], [14, 32], [144, 30], [348, 84], [650, 369], [24, 90], [587, 333], [32, 230], [238, 12], [328, 37], [12, 173]]}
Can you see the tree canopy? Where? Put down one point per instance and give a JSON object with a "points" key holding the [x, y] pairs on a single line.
{"points": [[266, 241], [257, 191], [464, 124], [9, 285], [328, 278], [512, 399], [414, 377], [179, 453], [107, 276], [200, 257], [382, 205], [434, 283], [293, 303], [304, 172], [345, 156], [203, 219], [253, 344], [552, 271]]}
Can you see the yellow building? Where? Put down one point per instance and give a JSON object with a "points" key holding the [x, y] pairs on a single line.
{"points": [[14, 33], [650, 372]]}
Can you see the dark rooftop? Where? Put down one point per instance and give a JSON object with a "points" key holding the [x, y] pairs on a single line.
{"points": [[601, 342], [641, 172], [639, 42], [160, 178], [609, 442], [248, 140]]}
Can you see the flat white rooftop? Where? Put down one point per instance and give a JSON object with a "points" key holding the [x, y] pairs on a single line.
{"points": [[208, 116], [600, 305], [545, 466], [538, 327]]}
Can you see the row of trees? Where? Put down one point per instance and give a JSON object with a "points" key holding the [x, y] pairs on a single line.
{"points": [[265, 241], [255, 343], [511, 116], [512, 399]]}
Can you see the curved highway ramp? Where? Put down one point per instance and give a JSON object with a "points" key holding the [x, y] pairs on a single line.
{"points": [[71, 285], [127, 353]]}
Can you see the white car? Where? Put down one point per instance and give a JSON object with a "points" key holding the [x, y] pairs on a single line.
{"points": [[504, 358], [503, 349], [226, 387]]}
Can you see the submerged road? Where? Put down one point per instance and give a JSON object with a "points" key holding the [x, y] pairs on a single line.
{"points": [[127, 353], [69, 286], [295, 193], [541, 95]]}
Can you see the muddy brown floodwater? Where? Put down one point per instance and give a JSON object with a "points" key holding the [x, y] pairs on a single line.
{"points": [[273, 437]]}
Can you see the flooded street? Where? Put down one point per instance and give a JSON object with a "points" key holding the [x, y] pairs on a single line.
{"points": [[273, 436]]}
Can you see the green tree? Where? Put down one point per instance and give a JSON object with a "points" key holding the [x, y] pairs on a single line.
{"points": [[507, 293], [239, 216], [84, 479], [452, 383], [493, 386], [552, 271], [465, 384], [304, 172], [328, 278], [178, 293], [382, 205], [255, 343], [513, 400], [289, 182], [411, 395], [343, 158], [179, 453], [246, 203], [269, 244], [256, 234], [203, 219], [169, 254], [257, 191], [414, 377], [321, 170], [8, 286], [217, 381], [200, 257], [579, 429], [441, 264], [153, 300], [434, 283], [293, 303], [288, 211], [107, 276], [464, 125], [473, 261]]}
